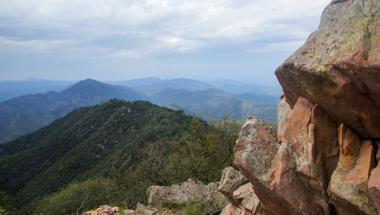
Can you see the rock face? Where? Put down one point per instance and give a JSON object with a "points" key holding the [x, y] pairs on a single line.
{"points": [[191, 191], [338, 67], [323, 158]]}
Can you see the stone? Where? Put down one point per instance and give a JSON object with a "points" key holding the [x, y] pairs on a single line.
{"points": [[230, 181], [348, 189], [338, 67], [190, 191], [374, 187]]}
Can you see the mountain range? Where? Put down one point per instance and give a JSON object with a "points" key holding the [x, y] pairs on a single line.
{"points": [[11, 89], [27, 113]]}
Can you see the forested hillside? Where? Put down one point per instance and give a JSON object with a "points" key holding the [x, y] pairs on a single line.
{"points": [[110, 153]]}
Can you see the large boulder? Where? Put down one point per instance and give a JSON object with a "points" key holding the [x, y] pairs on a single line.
{"points": [[187, 193], [255, 150], [338, 67]]}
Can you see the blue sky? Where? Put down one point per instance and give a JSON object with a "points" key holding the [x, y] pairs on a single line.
{"points": [[242, 40]]}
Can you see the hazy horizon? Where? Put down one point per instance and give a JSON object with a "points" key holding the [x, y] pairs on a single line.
{"points": [[142, 78]]}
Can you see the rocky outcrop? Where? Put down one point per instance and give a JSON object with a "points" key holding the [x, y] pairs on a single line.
{"points": [[338, 67], [188, 197], [323, 158], [179, 196]]}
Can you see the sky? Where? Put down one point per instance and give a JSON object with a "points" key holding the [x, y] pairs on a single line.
{"points": [[242, 40]]}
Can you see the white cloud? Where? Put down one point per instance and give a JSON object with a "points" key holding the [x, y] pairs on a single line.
{"points": [[161, 25]]}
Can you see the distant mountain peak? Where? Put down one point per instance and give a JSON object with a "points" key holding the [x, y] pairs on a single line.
{"points": [[87, 82]]}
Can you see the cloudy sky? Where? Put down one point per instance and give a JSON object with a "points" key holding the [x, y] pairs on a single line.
{"points": [[123, 39]]}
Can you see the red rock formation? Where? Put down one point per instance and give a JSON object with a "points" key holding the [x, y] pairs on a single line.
{"points": [[314, 167]]}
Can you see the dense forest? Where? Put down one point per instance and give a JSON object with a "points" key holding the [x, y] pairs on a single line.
{"points": [[109, 154]]}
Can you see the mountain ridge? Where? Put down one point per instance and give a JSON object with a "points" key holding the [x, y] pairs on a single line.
{"points": [[27, 113]]}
